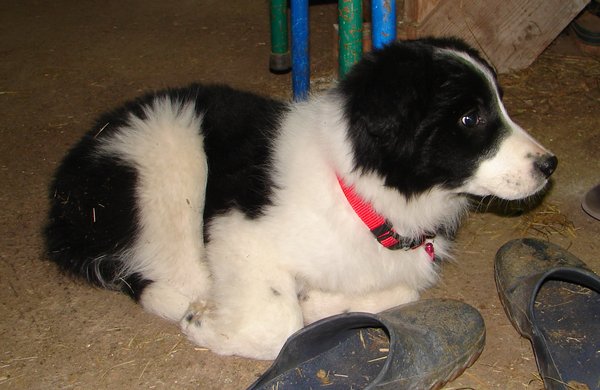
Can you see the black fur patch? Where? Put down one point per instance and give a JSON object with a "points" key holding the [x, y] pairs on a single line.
{"points": [[92, 215], [239, 129], [134, 284]]}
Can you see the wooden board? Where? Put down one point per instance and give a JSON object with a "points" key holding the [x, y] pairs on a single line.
{"points": [[511, 34], [417, 10]]}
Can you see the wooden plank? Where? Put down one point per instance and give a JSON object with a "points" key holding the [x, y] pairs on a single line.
{"points": [[415, 11], [510, 33]]}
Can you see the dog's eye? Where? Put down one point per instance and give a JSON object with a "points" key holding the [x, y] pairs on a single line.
{"points": [[470, 120]]}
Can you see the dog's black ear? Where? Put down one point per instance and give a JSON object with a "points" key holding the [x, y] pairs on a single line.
{"points": [[386, 93]]}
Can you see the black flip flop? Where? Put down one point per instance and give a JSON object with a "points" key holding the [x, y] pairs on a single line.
{"points": [[553, 299], [420, 345]]}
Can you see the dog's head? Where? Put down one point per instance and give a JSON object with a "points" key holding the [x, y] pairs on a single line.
{"points": [[429, 113]]}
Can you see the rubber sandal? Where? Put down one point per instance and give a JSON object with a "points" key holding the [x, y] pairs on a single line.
{"points": [[587, 28], [420, 345], [553, 299], [591, 202]]}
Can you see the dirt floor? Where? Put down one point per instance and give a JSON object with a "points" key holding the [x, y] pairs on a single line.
{"points": [[64, 62]]}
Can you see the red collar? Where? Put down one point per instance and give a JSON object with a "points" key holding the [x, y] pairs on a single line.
{"points": [[381, 228]]}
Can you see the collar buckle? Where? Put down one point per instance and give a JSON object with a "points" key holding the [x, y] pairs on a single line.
{"points": [[387, 236], [381, 228]]}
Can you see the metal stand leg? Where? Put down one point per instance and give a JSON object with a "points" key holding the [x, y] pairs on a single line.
{"points": [[350, 34], [300, 53], [279, 61], [383, 22]]}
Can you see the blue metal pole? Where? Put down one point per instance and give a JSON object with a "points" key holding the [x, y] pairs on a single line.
{"points": [[300, 54], [383, 22]]}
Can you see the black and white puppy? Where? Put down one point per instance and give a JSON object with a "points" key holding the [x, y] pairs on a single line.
{"points": [[244, 218]]}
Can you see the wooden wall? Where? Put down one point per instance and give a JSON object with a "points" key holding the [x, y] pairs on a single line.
{"points": [[511, 34]]}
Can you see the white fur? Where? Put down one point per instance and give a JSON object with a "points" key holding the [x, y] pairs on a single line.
{"points": [[511, 173], [166, 148]]}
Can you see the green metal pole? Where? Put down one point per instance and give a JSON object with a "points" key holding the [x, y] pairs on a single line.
{"points": [[350, 34], [279, 60]]}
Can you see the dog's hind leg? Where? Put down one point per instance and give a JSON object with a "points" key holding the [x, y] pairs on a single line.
{"points": [[166, 148], [172, 251]]}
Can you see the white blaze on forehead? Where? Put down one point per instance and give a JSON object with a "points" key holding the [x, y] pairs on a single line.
{"points": [[477, 66], [510, 173], [485, 72]]}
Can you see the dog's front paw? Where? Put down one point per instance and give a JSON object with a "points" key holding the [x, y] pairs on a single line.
{"points": [[259, 338], [193, 315], [196, 325], [202, 326]]}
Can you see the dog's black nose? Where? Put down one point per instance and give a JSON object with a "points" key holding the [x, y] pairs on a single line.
{"points": [[546, 164]]}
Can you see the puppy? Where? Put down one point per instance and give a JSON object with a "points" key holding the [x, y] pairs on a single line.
{"points": [[244, 218]]}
